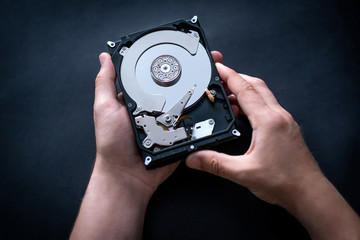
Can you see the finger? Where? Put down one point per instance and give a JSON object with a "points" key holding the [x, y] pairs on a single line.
{"points": [[219, 164], [235, 105], [262, 89], [235, 110], [217, 56], [105, 88], [265, 93], [233, 100], [248, 98], [120, 97], [227, 91]]}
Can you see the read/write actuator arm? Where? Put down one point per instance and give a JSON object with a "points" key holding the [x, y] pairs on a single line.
{"points": [[165, 135]]}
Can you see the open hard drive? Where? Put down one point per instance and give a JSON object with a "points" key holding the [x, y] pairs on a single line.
{"points": [[172, 91]]}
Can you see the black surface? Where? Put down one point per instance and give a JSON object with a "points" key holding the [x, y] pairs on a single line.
{"points": [[306, 51]]}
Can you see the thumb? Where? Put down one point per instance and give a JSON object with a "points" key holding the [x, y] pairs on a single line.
{"points": [[105, 88], [219, 164]]}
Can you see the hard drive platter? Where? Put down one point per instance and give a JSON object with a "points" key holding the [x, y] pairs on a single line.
{"points": [[172, 91]]}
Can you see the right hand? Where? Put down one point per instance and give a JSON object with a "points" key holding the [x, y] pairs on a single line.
{"points": [[278, 165]]}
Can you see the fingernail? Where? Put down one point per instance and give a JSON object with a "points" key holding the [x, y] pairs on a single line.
{"points": [[102, 59], [193, 162]]}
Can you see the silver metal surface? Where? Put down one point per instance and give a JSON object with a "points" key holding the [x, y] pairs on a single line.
{"points": [[194, 19], [148, 160], [123, 51], [170, 118], [195, 69], [236, 133], [111, 44], [156, 134], [156, 149], [194, 34], [165, 70], [203, 129], [137, 79]]}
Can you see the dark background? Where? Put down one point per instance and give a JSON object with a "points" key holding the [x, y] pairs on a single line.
{"points": [[306, 51]]}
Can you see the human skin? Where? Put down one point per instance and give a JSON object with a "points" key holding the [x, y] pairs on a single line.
{"points": [[120, 187], [278, 167]]}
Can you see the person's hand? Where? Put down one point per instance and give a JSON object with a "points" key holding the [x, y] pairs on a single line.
{"points": [[120, 187], [278, 160], [278, 167], [117, 153]]}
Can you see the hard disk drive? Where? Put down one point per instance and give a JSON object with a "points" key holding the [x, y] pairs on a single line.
{"points": [[172, 91]]}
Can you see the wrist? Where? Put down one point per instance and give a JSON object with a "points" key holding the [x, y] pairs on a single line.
{"points": [[113, 206], [321, 209], [116, 177], [305, 190]]}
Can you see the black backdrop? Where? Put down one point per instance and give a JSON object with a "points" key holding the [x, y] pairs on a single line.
{"points": [[306, 51]]}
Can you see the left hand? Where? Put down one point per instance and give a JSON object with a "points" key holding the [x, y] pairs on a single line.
{"points": [[117, 154], [120, 187]]}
